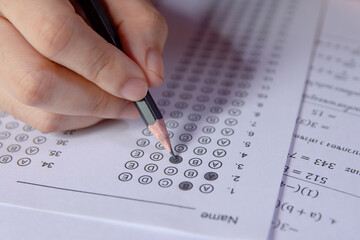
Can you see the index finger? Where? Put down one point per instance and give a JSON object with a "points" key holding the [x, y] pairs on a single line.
{"points": [[54, 29]]}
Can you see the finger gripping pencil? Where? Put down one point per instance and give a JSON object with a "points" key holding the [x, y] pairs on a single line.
{"points": [[150, 113]]}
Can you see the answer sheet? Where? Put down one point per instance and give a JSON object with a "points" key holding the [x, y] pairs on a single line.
{"points": [[235, 74], [320, 191]]}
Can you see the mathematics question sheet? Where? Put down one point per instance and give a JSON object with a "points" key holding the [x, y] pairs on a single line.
{"points": [[235, 75], [320, 191]]}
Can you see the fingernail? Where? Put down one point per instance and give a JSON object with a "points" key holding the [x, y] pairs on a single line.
{"points": [[155, 65], [134, 89]]}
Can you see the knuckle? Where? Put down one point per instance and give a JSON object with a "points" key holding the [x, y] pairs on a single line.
{"points": [[98, 64], [54, 33], [49, 122], [155, 20], [97, 106], [34, 88], [106, 106]]}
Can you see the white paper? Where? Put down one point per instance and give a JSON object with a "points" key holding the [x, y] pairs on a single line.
{"points": [[44, 225], [320, 192], [235, 73]]}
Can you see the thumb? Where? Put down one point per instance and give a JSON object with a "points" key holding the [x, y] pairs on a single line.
{"points": [[143, 32]]}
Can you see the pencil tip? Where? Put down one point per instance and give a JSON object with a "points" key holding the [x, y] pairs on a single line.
{"points": [[172, 152]]}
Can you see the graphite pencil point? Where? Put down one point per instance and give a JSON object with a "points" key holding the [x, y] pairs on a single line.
{"points": [[172, 153]]}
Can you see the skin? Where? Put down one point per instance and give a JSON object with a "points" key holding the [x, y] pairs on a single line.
{"points": [[56, 73]]}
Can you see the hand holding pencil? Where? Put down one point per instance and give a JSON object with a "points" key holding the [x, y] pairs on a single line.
{"points": [[95, 14], [57, 73]]}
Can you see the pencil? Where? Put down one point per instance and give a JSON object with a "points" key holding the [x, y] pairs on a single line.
{"points": [[150, 113]]}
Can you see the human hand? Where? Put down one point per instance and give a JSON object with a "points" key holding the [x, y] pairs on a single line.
{"points": [[56, 73]]}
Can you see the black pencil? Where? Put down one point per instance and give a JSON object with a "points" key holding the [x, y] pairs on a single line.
{"points": [[150, 113]]}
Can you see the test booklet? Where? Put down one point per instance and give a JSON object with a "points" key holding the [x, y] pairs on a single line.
{"points": [[261, 101]]}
